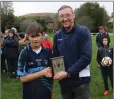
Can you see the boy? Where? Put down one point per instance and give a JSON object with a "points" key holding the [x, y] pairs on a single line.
{"points": [[33, 66], [106, 70]]}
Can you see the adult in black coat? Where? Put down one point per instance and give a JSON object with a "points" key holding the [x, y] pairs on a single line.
{"points": [[11, 53]]}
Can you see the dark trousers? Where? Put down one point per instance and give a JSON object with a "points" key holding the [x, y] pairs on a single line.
{"points": [[107, 71], [12, 65], [78, 92], [3, 63]]}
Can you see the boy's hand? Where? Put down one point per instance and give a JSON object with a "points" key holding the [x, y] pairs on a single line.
{"points": [[47, 72], [102, 64], [61, 75]]}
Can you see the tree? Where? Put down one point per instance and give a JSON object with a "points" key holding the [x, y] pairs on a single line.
{"points": [[7, 15], [112, 14], [59, 25], [16, 23], [110, 24], [86, 21], [24, 24], [42, 21], [92, 14]]}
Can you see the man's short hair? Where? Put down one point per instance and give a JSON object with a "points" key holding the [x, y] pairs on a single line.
{"points": [[34, 29], [65, 6]]}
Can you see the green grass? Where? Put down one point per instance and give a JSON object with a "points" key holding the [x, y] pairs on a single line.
{"points": [[11, 88]]}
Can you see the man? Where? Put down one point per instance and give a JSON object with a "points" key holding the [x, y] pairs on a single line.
{"points": [[73, 42], [100, 36]]}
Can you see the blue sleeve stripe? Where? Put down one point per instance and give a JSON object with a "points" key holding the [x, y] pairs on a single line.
{"points": [[32, 70], [43, 79], [48, 87], [46, 83], [21, 70], [20, 73]]}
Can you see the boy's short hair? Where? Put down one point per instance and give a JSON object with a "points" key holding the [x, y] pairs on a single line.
{"points": [[34, 29], [105, 37]]}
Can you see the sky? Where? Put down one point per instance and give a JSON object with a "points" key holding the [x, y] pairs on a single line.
{"points": [[22, 8]]}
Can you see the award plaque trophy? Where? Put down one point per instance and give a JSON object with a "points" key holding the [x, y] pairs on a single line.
{"points": [[58, 64]]}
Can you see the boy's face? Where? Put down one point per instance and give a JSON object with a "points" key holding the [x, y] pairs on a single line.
{"points": [[105, 41], [35, 40]]}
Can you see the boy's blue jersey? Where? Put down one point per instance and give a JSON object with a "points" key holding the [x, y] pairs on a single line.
{"points": [[30, 62]]}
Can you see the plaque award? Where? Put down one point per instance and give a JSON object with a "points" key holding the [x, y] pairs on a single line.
{"points": [[58, 64]]}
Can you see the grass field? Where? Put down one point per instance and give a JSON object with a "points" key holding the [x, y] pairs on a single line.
{"points": [[11, 88]]}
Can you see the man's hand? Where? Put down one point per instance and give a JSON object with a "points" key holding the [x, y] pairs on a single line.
{"points": [[47, 72], [60, 75]]}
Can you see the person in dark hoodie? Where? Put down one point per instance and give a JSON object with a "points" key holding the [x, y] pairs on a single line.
{"points": [[105, 67], [11, 53], [73, 42]]}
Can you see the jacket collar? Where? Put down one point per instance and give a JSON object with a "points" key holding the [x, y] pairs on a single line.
{"points": [[71, 31], [105, 46], [30, 48]]}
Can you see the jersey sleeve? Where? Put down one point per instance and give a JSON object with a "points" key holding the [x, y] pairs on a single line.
{"points": [[21, 64]]}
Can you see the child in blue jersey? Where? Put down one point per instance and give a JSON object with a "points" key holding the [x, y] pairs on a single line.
{"points": [[34, 67]]}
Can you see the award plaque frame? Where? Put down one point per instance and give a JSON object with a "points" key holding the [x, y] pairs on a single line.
{"points": [[58, 64]]}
